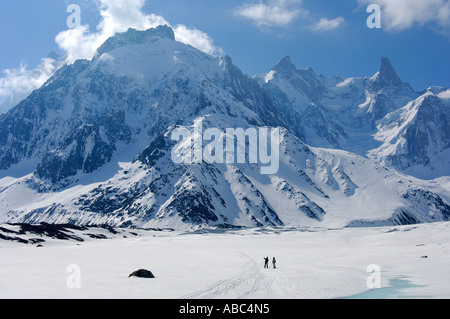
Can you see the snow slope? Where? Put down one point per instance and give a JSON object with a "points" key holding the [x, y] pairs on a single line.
{"points": [[313, 187], [416, 137]]}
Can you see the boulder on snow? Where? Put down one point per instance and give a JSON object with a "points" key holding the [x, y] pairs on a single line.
{"points": [[142, 273]]}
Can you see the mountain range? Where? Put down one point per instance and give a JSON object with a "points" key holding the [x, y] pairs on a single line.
{"points": [[93, 145]]}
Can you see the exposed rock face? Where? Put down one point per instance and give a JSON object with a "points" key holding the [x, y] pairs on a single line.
{"points": [[94, 146]]}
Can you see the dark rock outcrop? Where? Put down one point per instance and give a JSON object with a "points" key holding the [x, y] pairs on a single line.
{"points": [[142, 273]]}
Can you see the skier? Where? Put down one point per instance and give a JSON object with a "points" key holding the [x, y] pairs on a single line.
{"points": [[266, 262], [274, 262]]}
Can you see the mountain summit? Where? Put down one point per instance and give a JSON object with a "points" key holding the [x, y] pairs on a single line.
{"points": [[95, 145], [285, 65], [135, 37], [387, 78]]}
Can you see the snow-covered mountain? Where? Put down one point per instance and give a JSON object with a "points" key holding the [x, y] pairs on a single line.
{"points": [[416, 137], [335, 112], [380, 116], [128, 94], [94, 146]]}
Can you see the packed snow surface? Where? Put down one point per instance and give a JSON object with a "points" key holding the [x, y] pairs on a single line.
{"points": [[312, 263]]}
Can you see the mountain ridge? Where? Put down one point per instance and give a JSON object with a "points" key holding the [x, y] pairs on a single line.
{"points": [[99, 134]]}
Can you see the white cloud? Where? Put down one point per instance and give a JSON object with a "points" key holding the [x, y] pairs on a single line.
{"points": [[16, 84], [399, 15], [327, 25], [119, 16], [80, 43], [197, 39], [276, 13], [272, 13]]}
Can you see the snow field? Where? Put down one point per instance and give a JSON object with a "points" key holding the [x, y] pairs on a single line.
{"points": [[312, 263]]}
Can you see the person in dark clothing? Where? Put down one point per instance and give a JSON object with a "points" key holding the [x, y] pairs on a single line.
{"points": [[266, 262], [274, 262]]}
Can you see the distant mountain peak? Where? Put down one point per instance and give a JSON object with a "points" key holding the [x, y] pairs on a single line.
{"points": [[135, 37], [388, 71], [285, 65], [387, 77]]}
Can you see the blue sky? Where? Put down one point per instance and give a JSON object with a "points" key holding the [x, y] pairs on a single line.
{"points": [[332, 37]]}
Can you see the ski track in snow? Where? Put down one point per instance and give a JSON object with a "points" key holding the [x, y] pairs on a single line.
{"points": [[252, 281]]}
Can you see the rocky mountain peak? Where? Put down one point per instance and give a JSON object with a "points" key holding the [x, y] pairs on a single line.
{"points": [[387, 77], [285, 65], [135, 37]]}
